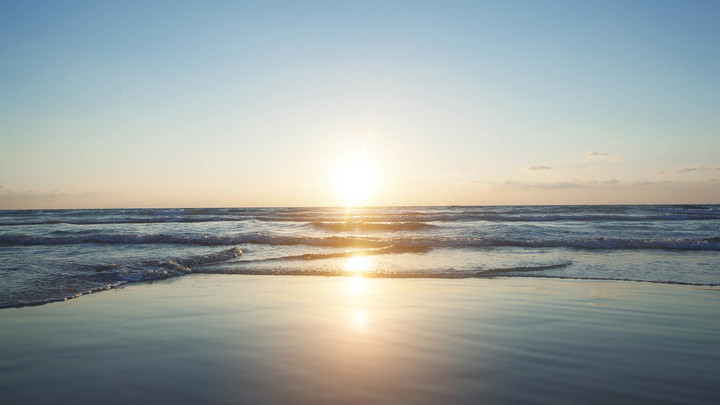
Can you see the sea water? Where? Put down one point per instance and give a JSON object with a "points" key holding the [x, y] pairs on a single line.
{"points": [[54, 255]]}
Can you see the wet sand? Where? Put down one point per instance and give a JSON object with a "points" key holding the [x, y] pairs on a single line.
{"points": [[226, 339]]}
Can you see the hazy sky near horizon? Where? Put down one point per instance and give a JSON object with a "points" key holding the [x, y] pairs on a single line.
{"points": [[193, 103]]}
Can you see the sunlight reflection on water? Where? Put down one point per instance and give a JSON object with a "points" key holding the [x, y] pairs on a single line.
{"points": [[359, 264], [359, 320], [357, 286]]}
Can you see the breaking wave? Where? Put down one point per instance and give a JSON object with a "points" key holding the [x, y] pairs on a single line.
{"points": [[600, 243], [110, 276], [339, 271], [53, 255], [361, 226]]}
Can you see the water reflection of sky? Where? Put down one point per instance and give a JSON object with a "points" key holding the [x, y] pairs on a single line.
{"points": [[360, 339], [357, 286]]}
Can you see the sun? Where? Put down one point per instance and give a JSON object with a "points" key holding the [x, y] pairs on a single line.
{"points": [[355, 179]]}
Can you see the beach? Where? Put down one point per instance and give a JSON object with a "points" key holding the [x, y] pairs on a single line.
{"points": [[352, 202], [222, 339]]}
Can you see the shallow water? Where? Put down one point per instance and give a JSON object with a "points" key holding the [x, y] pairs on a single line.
{"points": [[221, 339], [50, 255]]}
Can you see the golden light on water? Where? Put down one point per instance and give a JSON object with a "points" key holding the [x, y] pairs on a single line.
{"points": [[356, 284], [355, 179], [359, 320], [356, 267], [358, 264]]}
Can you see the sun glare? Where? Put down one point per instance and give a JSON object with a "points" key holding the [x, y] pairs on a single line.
{"points": [[358, 264], [355, 179]]}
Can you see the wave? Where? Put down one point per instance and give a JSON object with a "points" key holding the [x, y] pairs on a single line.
{"points": [[423, 218], [43, 301], [448, 273], [530, 271], [342, 272], [601, 243], [123, 221], [114, 275], [392, 249], [206, 240], [636, 280], [521, 269], [413, 218], [618, 213], [154, 270], [109, 276], [360, 226]]}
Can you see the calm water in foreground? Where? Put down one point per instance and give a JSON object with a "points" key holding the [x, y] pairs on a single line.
{"points": [[230, 339], [53, 255]]}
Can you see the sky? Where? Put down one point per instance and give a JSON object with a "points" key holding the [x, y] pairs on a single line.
{"points": [[222, 104]]}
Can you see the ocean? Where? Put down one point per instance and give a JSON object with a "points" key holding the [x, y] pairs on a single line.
{"points": [[55, 255]]}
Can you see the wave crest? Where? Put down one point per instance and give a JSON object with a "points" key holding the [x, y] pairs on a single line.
{"points": [[363, 226], [601, 243]]}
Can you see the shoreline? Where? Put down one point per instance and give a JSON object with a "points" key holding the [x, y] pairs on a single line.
{"points": [[480, 276], [258, 339]]}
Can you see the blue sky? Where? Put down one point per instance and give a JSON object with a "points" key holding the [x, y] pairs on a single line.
{"points": [[164, 103]]}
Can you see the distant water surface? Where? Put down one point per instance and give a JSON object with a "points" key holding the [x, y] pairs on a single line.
{"points": [[51, 255]]}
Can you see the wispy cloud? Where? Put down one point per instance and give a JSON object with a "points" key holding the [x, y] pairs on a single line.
{"points": [[558, 185], [543, 186], [537, 168], [604, 155], [698, 168], [8, 194], [579, 184], [610, 181], [650, 183]]}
